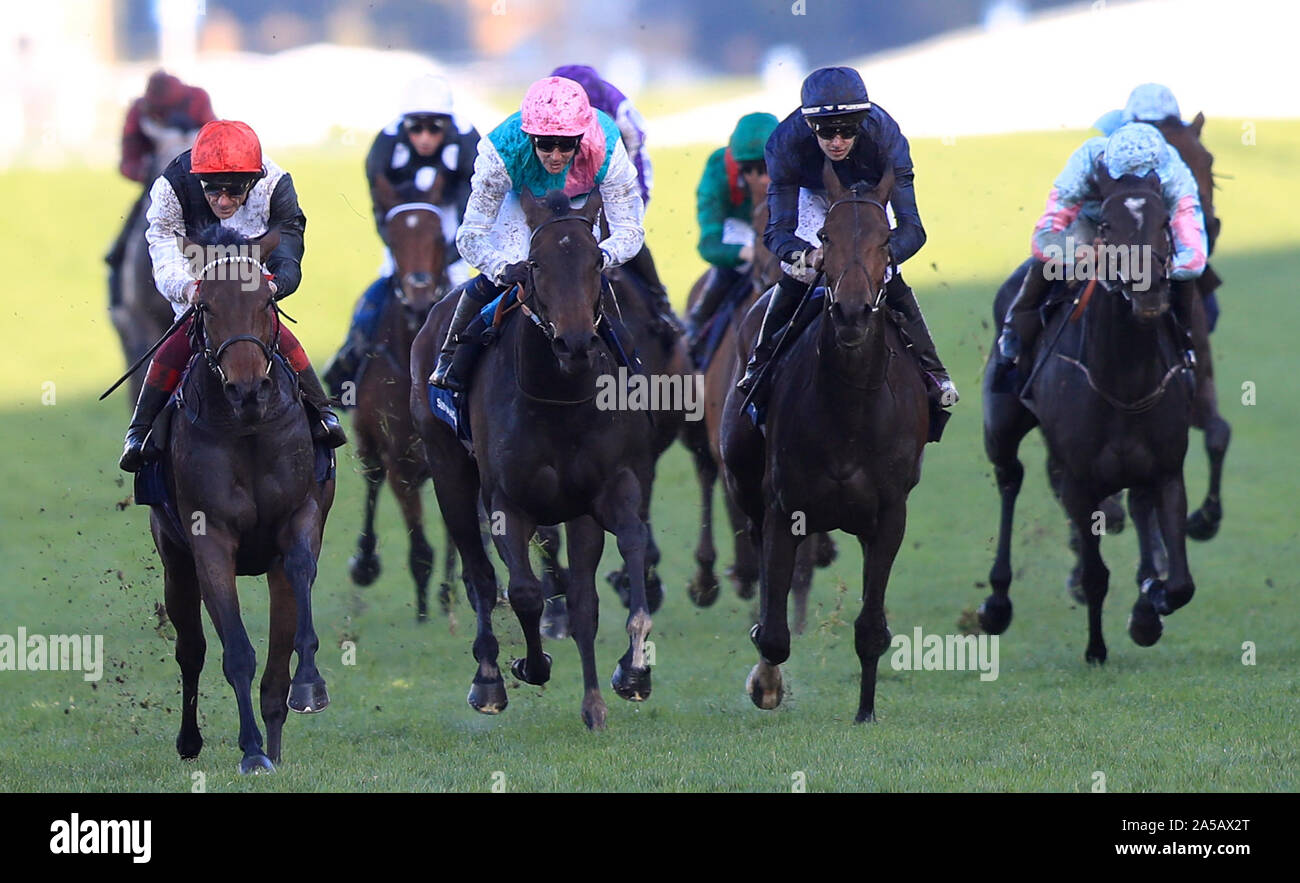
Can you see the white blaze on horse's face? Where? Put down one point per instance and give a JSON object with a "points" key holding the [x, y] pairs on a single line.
{"points": [[1134, 205]]}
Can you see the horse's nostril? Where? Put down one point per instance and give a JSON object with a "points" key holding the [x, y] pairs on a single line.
{"points": [[232, 391], [561, 346]]}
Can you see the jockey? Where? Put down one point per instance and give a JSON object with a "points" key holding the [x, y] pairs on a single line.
{"points": [[1074, 208], [631, 125], [836, 120], [1154, 103], [725, 209], [557, 140], [224, 179], [168, 110], [426, 143]]}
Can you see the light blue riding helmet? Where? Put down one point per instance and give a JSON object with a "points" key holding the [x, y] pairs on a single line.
{"points": [[1134, 149], [1148, 103]]}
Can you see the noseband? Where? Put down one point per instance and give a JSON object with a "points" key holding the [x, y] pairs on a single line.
{"points": [[213, 357]]}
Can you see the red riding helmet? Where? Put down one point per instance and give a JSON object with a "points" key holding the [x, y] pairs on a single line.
{"points": [[226, 146]]}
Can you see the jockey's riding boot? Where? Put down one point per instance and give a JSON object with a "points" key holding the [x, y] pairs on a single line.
{"points": [[781, 307], [451, 372], [152, 400], [1021, 326], [329, 429], [644, 265], [721, 280], [899, 297]]}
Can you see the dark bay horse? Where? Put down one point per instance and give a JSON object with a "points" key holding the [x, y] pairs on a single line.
{"points": [[847, 421], [1203, 524], [1113, 399], [703, 440], [387, 443], [545, 453], [241, 472]]}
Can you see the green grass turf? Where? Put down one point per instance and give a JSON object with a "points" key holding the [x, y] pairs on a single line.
{"points": [[1184, 715]]}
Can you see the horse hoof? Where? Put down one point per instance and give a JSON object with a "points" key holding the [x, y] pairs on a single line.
{"points": [[519, 668], [865, 717], [744, 587], [255, 765], [995, 614], [422, 613], [1074, 585], [444, 598], [703, 589], [189, 748], [593, 713], [631, 684], [1203, 524], [765, 696], [308, 698], [1145, 625], [555, 618], [1095, 656], [488, 696], [1113, 509], [364, 569]]}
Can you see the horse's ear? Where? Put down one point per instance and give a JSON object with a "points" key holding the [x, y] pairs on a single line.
{"points": [[1197, 124], [534, 211], [385, 194], [1152, 180], [591, 211], [831, 181], [267, 242], [1102, 175], [884, 187]]}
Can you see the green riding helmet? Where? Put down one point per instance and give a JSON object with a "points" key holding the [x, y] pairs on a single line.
{"points": [[750, 137]]}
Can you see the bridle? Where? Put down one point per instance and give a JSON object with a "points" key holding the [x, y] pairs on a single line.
{"points": [[398, 279], [1164, 259], [200, 333], [530, 289], [833, 287]]}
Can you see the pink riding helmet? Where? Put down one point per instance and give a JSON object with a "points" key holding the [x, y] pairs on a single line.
{"points": [[556, 106]]}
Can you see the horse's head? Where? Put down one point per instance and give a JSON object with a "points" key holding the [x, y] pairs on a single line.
{"points": [[1137, 241], [565, 260], [1186, 139], [416, 239], [237, 318], [855, 253]]}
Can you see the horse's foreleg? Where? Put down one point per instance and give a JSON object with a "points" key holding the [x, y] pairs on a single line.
{"points": [[1080, 504], [586, 542], [1005, 424], [870, 630], [364, 566], [703, 587], [525, 589], [620, 509], [771, 635], [745, 566], [801, 581], [275, 676], [1203, 524], [405, 481], [300, 547], [181, 592], [1178, 588], [214, 565]]}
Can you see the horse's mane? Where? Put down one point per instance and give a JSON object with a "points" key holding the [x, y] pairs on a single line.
{"points": [[215, 234]]}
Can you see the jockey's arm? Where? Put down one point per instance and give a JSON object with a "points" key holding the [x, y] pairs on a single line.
{"points": [[171, 270], [1186, 220], [631, 125], [285, 262], [909, 235], [136, 147], [712, 204], [783, 217], [489, 186], [1071, 187], [624, 211]]}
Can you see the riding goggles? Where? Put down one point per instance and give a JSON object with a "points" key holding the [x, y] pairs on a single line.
{"points": [[754, 166], [562, 143], [431, 124], [236, 187], [828, 131]]}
